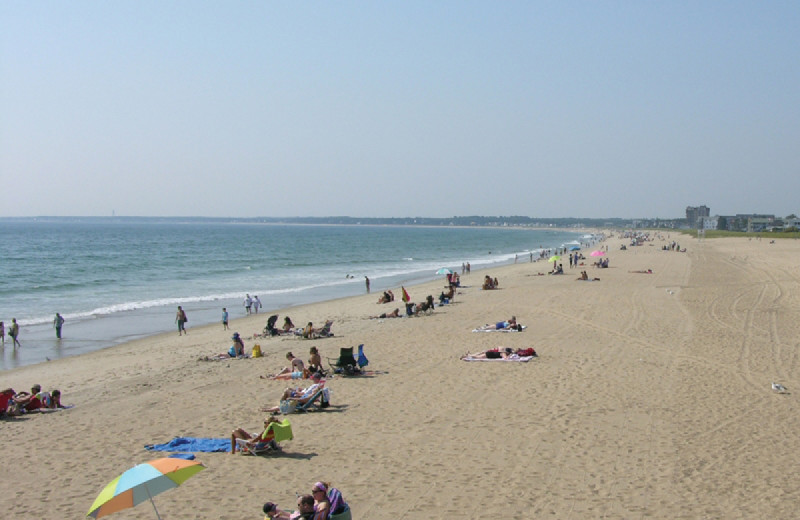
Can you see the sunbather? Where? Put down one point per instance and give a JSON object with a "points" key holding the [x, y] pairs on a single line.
{"points": [[308, 332], [502, 325], [394, 314], [329, 500], [266, 437], [299, 395], [288, 326], [386, 297], [314, 361], [501, 353], [649, 271], [296, 369]]}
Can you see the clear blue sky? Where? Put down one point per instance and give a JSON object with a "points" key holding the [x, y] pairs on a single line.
{"points": [[391, 109]]}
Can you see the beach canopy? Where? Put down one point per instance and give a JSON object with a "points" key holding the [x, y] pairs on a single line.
{"points": [[141, 482]]}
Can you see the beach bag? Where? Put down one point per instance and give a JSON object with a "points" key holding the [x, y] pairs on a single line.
{"points": [[288, 406], [256, 351]]}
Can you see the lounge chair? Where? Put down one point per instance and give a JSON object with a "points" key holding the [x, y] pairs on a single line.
{"points": [[346, 364], [270, 329], [324, 332], [282, 431], [318, 395]]}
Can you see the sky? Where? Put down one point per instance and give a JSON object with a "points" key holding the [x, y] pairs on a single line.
{"points": [[624, 109]]}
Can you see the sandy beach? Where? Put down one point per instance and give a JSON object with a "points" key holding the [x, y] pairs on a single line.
{"points": [[650, 398]]}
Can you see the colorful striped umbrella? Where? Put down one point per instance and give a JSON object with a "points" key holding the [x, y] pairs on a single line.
{"points": [[141, 483], [597, 253]]}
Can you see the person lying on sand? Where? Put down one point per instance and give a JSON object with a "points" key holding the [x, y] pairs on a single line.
{"points": [[394, 314], [295, 370], [649, 271], [501, 353], [501, 325]]}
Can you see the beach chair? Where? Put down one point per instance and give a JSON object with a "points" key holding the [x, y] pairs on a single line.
{"points": [[346, 364], [270, 329], [344, 515], [282, 431], [325, 331], [317, 396]]}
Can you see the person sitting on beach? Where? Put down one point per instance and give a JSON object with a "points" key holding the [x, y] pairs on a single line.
{"points": [[265, 437], [386, 297], [288, 326], [235, 351], [27, 402], [447, 295], [308, 332], [425, 306], [584, 276], [301, 395], [503, 325], [488, 283], [329, 500], [394, 314], [314, 361], [295, 370]]}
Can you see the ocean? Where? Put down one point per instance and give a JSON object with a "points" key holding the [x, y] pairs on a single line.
{"points": [[115, 280]]}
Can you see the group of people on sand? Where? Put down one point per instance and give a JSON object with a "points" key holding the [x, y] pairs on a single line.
{"points": [[585, 277], [297, 369], [490, 283], [323, 502], [386, 297], [18, 403], [13, 333]]}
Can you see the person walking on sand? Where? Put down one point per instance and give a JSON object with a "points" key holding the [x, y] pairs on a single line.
{"points": [[248, 303], [224, 319], [58, 322], [256, 304], [366, 280], [13, 332], [180, 319]]}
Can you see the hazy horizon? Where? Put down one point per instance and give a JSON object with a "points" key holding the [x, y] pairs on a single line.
{"points": [[240, 109]]}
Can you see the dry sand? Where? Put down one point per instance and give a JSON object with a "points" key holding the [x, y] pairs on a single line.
{"points": [[650, 399]]}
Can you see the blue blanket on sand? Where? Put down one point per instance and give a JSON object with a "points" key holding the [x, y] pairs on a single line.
{"points": [[192, 444]]}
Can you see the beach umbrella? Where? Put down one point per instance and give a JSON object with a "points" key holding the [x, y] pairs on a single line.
{"points": [[140, 483], [574, 248], [444, 270], [597, 253], [554, 258]]}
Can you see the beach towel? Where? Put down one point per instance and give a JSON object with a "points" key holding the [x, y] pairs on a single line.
{"points": [[499, 330], [512, 359], [192, 444]]}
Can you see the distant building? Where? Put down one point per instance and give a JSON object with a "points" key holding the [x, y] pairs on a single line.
{"points": [[694, 213], [709, 222]]}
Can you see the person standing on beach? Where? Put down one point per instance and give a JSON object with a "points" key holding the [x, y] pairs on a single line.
{"points": [[256, 304], [58, 322], [13, 332], [248, 303], [224, 319], [180, 319], [3, 333], [366, 280]]}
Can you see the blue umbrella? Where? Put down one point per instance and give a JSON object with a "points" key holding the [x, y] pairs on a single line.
{"points": [[444, 270], [574, 248]]}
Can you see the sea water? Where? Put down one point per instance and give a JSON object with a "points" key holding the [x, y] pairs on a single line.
{"points": [[116, 280]]}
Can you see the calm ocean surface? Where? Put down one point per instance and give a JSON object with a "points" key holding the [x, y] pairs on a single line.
{"points": [[114, 281]]}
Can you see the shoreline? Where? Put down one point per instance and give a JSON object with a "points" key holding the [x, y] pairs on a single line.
{"points": [[84, 334]]}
